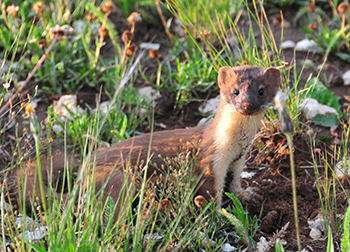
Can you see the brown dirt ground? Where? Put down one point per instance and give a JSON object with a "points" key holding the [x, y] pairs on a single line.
{"points": [[272, 178]]}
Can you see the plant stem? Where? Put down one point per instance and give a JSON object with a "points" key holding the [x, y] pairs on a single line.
{"points": [[289, 136], [35, 127]]}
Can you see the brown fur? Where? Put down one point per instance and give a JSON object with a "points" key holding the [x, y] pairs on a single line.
{"points": [[223, 141]]}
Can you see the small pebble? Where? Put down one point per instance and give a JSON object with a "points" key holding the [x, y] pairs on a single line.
{"points": [[149, 93], [346, 78], [312, 107], [306, 45], [315, 233], [227, 247], [288, 44], [210, 106]]}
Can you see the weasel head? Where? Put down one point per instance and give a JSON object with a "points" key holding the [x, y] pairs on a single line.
{"points": [[248, 89]]}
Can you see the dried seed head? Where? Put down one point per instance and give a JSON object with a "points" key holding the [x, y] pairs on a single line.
{"points": [[127, 36], [277, 20], [200, 201], [39, 8], [153, 54], [63, 30], [313, 26], [103, 32], [12, 10], [29, 110], [108, 7], [134, 18], [42, 43], [205, 33], [165, 205], [343, 8], [130, 51], [89, 16], [311, 7]]}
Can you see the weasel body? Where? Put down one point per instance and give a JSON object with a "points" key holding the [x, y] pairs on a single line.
{"points": [[246, 94]]}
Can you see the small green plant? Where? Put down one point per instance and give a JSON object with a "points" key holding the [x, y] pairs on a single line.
{"points": [[327, 182], [331, 34], [239, 218], [311, 12], [74, 62], [330, 243], [279, 246], [345, 241], [192, 76]]}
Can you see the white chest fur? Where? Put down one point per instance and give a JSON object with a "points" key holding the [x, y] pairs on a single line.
{"points": [[233, 135]]}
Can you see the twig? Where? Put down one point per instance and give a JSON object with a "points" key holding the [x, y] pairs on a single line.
{"points": [[289, 136], [29, 77], [160, 13]]}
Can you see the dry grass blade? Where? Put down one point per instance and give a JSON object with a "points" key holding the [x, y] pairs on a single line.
{"points": [[29, 77]]}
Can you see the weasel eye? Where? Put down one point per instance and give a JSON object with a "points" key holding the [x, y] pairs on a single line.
{"points": [[236, 92], [261, 92]]}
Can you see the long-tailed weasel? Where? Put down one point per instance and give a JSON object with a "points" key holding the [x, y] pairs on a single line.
{"points": [[246, 94]]}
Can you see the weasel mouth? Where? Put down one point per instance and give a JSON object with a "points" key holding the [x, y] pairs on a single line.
{"points": [[247, 112], [247, 108]]}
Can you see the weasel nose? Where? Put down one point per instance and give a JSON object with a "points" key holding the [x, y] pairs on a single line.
{"points": [[247, 106]]}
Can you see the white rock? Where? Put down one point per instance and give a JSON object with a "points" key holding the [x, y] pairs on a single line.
{"points": [[308, 63], [342, 169], [210, 106], [227, 247], [247, 175], [322, 66], [38, 233], [149, 93], [6, 85], [142, 112], [262, 245], [57, 128], [315, 233], [162, 125], [104, 106], [346, 78], [70, 101], [150, 46], [6, 206], [34, 103], [306, 45], [20, 221], [317, 223], [204, 120], [288, 44], [311, 107]]}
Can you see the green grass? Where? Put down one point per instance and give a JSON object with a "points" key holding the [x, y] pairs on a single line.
{"points": [[77, 63]]}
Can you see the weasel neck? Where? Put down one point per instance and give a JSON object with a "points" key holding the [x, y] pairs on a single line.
{"points": [[227, 139]]}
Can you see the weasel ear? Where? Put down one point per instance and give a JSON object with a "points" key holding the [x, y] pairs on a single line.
{"points": [[272, 74], [226, 75]]}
